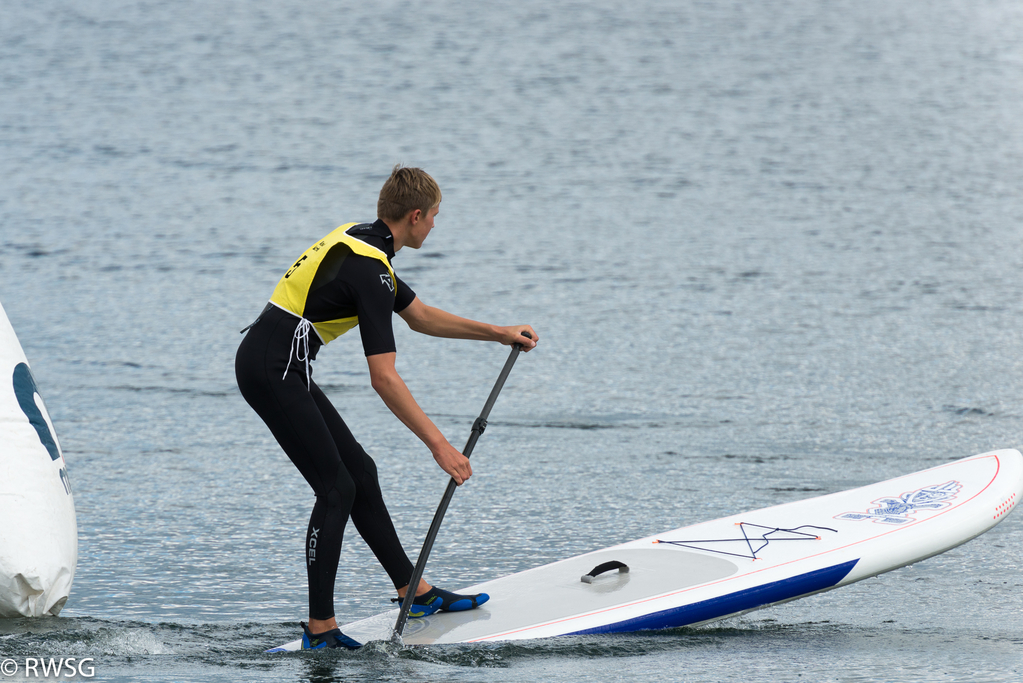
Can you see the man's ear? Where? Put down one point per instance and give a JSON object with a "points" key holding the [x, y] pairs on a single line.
{"points": [[414, 215]]}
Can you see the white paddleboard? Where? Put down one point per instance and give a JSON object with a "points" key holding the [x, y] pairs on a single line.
{"points": [[38, 528], [726, 567]]}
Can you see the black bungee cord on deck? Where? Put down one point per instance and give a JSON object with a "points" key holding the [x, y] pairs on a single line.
{"points": [[767, 537]]}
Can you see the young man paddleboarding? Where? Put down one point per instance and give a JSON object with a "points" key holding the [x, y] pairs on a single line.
{"points": [[346, 279]]}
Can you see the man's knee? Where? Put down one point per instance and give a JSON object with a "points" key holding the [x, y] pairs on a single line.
{"points": [[342, 493], [370, 483]]}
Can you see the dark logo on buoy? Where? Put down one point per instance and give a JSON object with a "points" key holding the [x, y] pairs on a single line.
{"points": [[25, 390]]}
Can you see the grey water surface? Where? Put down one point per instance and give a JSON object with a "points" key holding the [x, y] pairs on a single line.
{"points": [[773, 250]]}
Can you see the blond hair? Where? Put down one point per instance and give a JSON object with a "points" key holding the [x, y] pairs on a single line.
{"points": [[406, 190]]}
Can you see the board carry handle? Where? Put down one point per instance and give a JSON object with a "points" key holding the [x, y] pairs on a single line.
{"points": [[606, 567]]}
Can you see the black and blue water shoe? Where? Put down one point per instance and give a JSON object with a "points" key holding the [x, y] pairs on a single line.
{"points": [[438, 600], [330, 639]]}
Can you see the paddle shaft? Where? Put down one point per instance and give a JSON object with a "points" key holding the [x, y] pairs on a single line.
{"points": [[477, 429]]}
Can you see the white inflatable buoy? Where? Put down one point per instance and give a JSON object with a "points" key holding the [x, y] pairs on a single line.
{"points": [[38, 528]]}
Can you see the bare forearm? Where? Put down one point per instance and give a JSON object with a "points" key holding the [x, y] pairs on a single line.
{"points": [[397, 397], [439, 323]]}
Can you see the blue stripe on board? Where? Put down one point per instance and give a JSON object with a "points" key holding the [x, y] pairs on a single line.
{"points": [[733, 603]]}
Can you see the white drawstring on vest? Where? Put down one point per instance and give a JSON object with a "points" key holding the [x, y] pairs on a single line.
{"points": [[300, 343]]}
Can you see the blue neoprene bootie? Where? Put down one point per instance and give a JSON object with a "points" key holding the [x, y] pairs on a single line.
{"points": [[330, 639], [436, 599]]}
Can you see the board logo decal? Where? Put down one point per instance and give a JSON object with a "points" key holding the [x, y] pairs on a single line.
{"points": [[898, 510]]}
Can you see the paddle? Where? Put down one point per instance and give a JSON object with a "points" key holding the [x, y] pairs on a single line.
{"points": [[477, 429]]}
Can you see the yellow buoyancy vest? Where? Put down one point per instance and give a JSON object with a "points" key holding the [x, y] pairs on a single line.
{"points": [[293, 289]]}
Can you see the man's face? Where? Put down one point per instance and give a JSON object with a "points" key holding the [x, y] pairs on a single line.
{"points": [[422, 227]]}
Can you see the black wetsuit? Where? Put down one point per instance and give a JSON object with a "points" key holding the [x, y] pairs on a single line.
{"points": [[306, 424]]}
